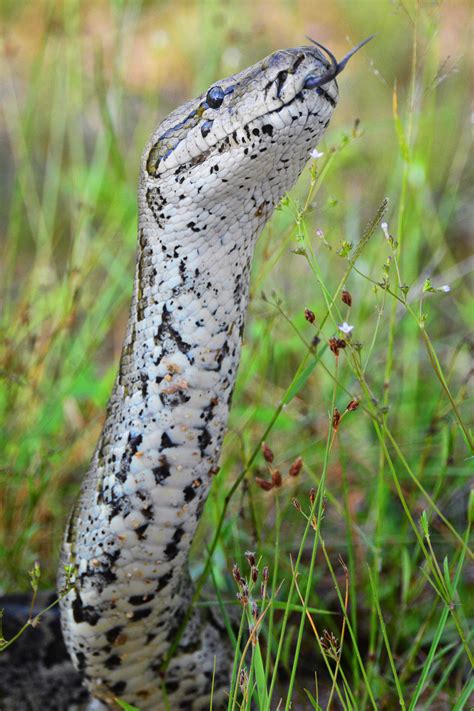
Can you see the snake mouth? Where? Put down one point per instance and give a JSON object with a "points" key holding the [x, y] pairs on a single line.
{"points": [[157, 167]]}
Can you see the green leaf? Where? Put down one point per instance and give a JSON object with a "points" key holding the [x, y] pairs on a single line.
{"points": [[406, 573], [312, 700], [447, 577], [259, 671], [300, 379], [125, 706]]}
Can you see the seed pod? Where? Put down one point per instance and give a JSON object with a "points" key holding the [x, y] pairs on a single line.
{"points": [[312, 496], [267, 453], [336, 418], [254, 573], [296, 467]]}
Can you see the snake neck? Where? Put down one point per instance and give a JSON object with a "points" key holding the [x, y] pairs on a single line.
{"points": [[158, 451]]}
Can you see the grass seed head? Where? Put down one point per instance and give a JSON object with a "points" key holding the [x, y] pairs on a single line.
{"points": [[296, 467], [250, 555], [263, 483], [309, 315], [276, 477], [296, 504], [236, 573], [330, 644], [335, 344], [243, 597], [346, 297], [267, 453], [315, 341], [254, 610], [352, 405], [243, 681]]}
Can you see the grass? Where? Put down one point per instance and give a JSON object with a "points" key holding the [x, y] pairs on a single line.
{"points": [[365, 603]]}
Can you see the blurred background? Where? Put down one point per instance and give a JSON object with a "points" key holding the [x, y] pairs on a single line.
{"points": [[82, 86]]}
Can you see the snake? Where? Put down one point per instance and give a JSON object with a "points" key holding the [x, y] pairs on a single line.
{"points": [[210, 178]]}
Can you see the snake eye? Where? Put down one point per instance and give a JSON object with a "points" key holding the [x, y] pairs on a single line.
{"points": [[311, 82], [215, 97]]}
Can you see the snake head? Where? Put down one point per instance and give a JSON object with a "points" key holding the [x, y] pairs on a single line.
{"points": [[288, 97]]}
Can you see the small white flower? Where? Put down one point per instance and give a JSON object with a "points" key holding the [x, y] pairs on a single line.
{"points": [[446, 288], [345, 328], [384, 227], [315, 154], [319, 233]]}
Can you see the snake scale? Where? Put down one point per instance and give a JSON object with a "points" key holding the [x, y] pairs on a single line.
{"points": [[210, 178]]}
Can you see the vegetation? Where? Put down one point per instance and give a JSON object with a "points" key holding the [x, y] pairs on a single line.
{"points": [[356, 355]]}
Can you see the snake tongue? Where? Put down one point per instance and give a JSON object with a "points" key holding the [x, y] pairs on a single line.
{"points": [[336, 67], [343, 62]]}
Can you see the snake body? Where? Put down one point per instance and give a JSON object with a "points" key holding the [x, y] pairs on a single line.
{"points": [[210, 178]]}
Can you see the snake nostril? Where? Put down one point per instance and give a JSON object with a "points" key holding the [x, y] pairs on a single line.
{"points": [[206, 128], [281, 79]]}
